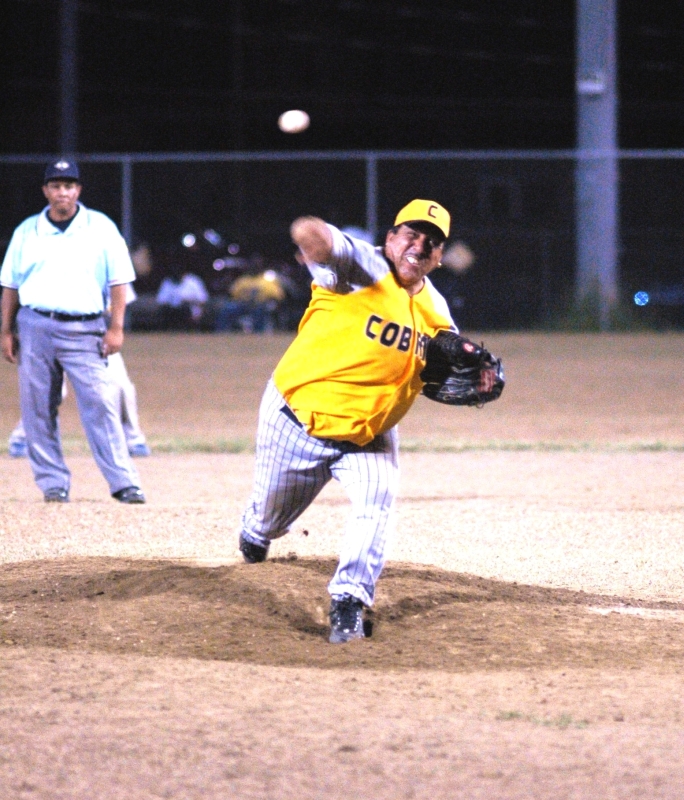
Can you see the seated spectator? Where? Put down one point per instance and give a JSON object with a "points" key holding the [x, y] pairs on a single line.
{"points": [[253, 301], [183, 299], [457, 259]]}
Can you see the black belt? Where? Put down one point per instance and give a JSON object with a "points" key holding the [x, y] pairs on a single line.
{"points": [[61, 317], [289, 413]]}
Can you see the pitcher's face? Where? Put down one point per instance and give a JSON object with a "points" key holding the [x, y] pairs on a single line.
{"points": [[414, 254]]}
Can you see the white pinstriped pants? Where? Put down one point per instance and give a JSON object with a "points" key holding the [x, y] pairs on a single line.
{"points": [[292, 468]]}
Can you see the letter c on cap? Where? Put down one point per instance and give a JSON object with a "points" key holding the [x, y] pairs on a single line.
{"points": [[430, 210]]}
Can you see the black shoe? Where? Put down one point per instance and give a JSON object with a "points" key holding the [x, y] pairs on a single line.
{"points": [[252, 553], [130, 495], [56, 496], [346, 619]]}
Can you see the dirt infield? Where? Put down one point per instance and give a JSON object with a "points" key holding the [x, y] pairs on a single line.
{"points": [[528, 634]]}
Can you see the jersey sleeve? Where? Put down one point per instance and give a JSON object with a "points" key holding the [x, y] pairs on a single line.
{"points": [[119, 265], [353, 264], [9, 273]]}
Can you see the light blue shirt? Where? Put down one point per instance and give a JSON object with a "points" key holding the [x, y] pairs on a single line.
{"points": [[68, 271]]}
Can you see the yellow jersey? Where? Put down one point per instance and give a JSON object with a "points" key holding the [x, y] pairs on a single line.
{"points": [[353, 370]]}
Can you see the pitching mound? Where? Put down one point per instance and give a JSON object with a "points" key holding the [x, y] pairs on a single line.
{"points": [[276, 614]]}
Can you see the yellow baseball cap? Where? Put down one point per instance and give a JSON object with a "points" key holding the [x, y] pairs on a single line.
{"points": [[425, 211]]}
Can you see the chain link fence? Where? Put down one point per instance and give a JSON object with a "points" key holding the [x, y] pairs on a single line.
{"points": [[514, 211]]}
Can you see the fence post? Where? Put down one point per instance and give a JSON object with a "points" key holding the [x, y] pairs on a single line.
{"points": [[546, 273], [68, 78], [127, 199], [372, 195], [597, 165]]}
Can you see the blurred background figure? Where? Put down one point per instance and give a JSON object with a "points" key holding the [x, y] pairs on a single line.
{"points": [[182, 297], [457, 259], [128, 404], [17, 446], [141, 256], [127, 396], [254, 300]]}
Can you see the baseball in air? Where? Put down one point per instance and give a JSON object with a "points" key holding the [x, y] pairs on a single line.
{"points": [[294, 121]]}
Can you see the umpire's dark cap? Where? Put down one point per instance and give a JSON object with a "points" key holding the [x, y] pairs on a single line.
{"points": [[63, 169]]}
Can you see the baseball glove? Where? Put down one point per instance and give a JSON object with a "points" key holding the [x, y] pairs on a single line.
{"points": [[459, 372]]}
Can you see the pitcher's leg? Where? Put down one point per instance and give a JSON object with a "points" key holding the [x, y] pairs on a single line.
{"points": [[290, 471], [370, 476], [40, 394]]}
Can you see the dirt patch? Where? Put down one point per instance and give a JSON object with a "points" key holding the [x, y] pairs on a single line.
{"points": [[276, 614], [527, 638]]}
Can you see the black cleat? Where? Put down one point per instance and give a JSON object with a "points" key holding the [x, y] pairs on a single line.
{"points": [[130, 495], [346, 619], [56, 496], [252, 553]]}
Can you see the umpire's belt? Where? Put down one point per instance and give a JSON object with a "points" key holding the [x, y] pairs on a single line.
{"points": [[61, 317]]}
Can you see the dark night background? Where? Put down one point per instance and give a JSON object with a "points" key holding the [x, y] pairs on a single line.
{"points": [[180, 76]]}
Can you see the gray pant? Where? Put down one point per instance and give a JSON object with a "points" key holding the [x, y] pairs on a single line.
{"points": [[128, 402], [47, 349]]}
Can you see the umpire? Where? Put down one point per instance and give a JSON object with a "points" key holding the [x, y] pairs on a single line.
{"points": [[60, 268]]}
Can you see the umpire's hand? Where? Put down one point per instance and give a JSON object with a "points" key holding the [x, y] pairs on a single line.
{"points": [[112, 341], [8, 339], [10, 345]]}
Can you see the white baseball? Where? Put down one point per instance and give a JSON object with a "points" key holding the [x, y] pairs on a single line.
{"points": [[294, 121]]}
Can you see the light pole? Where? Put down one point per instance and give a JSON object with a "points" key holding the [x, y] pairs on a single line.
{"points": [[596, 173], [68, 77]]}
